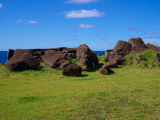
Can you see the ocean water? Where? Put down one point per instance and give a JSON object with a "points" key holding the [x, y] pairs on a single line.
{"points": [[3, 55]]}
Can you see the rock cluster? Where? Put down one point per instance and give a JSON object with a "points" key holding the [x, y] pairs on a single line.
{"points": [[21, 59]]}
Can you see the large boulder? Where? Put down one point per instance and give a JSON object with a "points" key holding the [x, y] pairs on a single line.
{"points": [[16, 64], [153, 47], [55, 59], [72, 70], [122, 48], [138, 44], [22, 59], [106, 71], [31, 61], [26, 60], [87, 57], [112, 64], [10, 54]]}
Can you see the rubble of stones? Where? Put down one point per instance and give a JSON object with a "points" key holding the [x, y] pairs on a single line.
{"points": [[22, 59]]}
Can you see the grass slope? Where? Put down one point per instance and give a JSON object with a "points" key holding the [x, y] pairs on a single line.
{"points": [[130, 93]]}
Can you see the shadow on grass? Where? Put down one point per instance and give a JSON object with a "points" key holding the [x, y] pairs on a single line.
{"points": [[31, 99]]}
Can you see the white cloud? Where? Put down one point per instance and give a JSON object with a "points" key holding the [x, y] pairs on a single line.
{"points": [[83, 13], [19, 21], [1, 5], [156, 32], [86, 26], [32, 21], [81, 1]]}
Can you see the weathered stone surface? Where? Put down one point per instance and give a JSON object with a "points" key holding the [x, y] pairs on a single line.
{"points": [[87, 57], [16, 64], [138, 44], [70, 50], [153, 47], [72, 55], [19, 52], [72, 70], [112, 64], [108, 51], [61, 48], [120, 59], [31, 61], [64, 63], [106, 71], [110, 57], [122, 48], [106, 59], [26, 60], [10, 54], [52, 58], [22, 59]]}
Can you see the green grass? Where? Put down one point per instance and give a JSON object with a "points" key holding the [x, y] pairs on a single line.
{"points": [[130, 93]]}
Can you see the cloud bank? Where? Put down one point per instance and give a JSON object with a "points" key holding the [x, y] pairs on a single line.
{"points": [[32, 21], [83, 13]]}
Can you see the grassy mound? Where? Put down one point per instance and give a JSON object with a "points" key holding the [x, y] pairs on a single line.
{"points": [[145, 59]]}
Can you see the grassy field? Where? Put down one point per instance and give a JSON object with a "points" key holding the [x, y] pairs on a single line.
{"points": [[130, 93]]}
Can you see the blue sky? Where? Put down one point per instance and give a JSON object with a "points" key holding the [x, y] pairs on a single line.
{"points": [[69, 23]]}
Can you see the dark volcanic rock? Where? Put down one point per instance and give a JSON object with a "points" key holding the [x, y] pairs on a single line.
{"points": [[120, 59], [42, 53], [87, 57], [106, 71], [64, 63], [72, 55], [16, 64], [153, 47], [31, 61], [22, 59], [108, 51], [72, 70], [70, 50], [61, 48], [54, 59], [138, 44], [10, 54], [122, 48], [109, 57], [19, 52], [112, 64]]}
